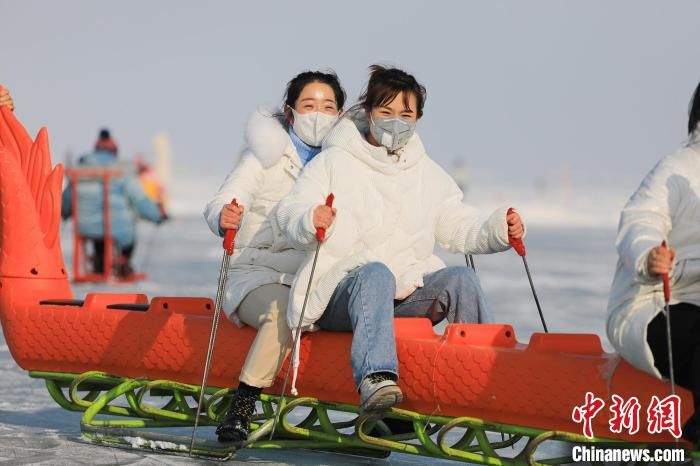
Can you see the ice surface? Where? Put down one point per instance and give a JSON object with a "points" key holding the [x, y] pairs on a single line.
{"points": [[572, 271], [137, 442]]}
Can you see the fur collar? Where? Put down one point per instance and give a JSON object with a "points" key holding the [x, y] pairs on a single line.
{"points": [[267, 138]]}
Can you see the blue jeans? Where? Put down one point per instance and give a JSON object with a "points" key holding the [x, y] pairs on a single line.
{"points": [[363, 302]]}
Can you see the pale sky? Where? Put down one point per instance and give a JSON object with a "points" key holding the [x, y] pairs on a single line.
{"points": [[596, 90]]}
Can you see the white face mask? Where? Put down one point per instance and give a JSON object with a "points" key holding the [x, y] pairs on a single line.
{"points": [[312, 127]]}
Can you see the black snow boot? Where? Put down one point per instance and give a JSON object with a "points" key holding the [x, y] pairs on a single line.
{"points": [[236, 424]]}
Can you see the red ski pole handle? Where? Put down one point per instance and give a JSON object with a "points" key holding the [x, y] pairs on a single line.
{"points": [[517, 244], [321, 232], [665, 279], [230, 236]]}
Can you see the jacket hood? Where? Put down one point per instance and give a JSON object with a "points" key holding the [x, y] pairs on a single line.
{"points": [[266, 136], [349, 135]]}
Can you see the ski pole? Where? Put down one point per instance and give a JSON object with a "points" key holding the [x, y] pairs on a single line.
{"points": [[229, 239], [667, 311], [470, 261], [320, 236], [519, 247], [145, 261]]}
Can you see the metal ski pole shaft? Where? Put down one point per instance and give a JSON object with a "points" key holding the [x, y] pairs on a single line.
{"points": [[229, 239], [145, 261], [667, 311], [470, 261], [320, 236], [519, 247], [534, 294], [297, 334]]}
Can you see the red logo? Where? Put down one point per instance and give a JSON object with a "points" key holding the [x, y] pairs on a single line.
{"points": [[662, 415], [665, 415], [625, 415], [586, 412]]}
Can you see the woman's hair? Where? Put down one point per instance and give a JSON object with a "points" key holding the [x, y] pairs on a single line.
{"points": [[694, 111], [297, 84], [386, 83]]}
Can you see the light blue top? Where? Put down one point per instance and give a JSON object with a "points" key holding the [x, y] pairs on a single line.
{"points": [[305, 151]]}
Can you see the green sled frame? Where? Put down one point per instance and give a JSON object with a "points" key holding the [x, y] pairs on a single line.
{"points": [[129, 409]]}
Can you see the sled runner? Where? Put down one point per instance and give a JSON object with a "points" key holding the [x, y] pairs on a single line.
{"points": [[132, 364]]}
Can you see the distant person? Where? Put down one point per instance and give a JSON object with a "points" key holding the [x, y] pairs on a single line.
{"points": [[279, 145], [152, 186], [127, 202], [666, 206], [6, 99]]}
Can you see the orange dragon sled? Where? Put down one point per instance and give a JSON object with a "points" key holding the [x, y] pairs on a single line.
{"points": [[132, 363]]}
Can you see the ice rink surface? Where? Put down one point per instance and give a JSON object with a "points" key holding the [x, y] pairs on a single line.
{"points": [[572, 271]]}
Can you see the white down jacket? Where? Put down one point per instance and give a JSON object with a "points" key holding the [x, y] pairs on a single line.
{"points": [[264, 174], [666, 206], [391, 209]]}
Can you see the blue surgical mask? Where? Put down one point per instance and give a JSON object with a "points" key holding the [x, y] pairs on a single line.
{"points": [[392, 133]]}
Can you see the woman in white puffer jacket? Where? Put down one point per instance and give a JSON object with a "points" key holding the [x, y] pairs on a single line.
{"points": [[665, 207], [264, 263], [392, 205]]}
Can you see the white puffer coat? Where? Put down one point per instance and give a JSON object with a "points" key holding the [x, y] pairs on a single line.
{"points": [[264, 174], [388, 210], [666, 206]]}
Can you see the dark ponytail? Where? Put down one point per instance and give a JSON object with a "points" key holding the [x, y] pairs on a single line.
{"points": [[694, 111], [297, 84], [386, 83]]}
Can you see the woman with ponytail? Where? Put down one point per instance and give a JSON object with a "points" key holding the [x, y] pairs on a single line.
{"points": [[393, 204]]}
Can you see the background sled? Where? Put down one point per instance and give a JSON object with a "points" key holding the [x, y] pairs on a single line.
{"points": [[81, 274]]}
